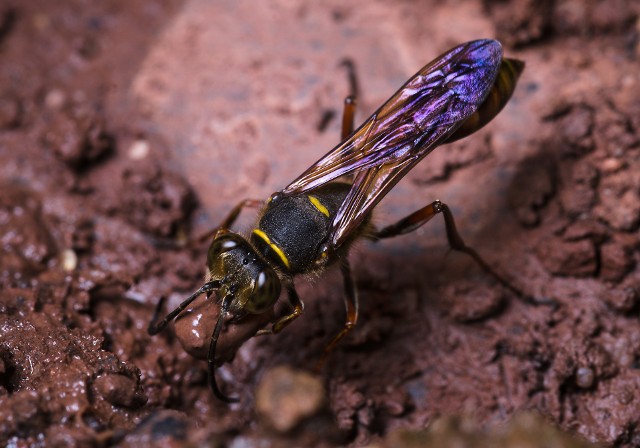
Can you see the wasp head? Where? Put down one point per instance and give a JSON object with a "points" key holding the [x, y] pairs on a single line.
{"points": [[245, 282]]}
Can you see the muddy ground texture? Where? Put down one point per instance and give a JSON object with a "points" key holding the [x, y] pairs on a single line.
{"points": [[95, 206]]}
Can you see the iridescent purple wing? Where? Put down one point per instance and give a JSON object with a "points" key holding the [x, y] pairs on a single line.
{"points": [[418, 117]]}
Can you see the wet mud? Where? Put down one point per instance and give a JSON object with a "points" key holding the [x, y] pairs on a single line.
{"points": [[130, 128]]}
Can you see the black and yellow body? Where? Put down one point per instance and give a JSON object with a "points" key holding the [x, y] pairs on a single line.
{"points": [[312, 222], [292, 230]]}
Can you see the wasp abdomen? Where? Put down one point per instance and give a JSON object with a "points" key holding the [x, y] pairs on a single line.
{"points": [[499, 95]]}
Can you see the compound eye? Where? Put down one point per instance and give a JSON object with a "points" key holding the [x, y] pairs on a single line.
{"points": [[275, 197], [266, 291], [220, 245]]}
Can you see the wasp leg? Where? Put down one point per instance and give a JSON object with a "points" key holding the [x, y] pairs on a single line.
{"points": [[211, 357], [157, 327], [348, 116], [350, 67], [351, 305], [349, 111], [424, 215], [298, 308], [182, 242], [325, 119], [230, 219]]}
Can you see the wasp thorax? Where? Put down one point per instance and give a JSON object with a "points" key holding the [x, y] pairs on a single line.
{"points": [[244, 275]]}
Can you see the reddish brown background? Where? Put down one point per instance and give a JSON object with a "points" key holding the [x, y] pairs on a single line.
{"points": [[128, 123]]}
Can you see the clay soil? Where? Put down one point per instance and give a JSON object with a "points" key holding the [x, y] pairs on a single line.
{"points": [[129, 127]]}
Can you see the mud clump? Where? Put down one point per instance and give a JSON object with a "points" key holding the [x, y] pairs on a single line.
{"points": [[120, 391], [194, 327], [78, 140], [147, 189], [27, 243]]}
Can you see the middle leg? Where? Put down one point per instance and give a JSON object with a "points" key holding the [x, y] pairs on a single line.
{"points": [[351, 305], [297, 310]]}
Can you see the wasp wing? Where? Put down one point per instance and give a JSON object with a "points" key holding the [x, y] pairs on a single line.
{"points": [[419, 116]]}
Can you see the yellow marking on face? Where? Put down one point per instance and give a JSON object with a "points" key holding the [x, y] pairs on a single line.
{"points": [[317, 204], [273, 246]]}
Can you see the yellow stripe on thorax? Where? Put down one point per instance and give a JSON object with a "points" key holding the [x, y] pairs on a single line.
{"points": [[273, 246], [317, 204]]}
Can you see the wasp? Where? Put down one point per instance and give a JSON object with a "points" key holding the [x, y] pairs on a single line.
{"points": [[312, 222]]}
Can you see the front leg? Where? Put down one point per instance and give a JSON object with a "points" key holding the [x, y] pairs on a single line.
{"points": [[230, 219], [297, 309], [156, 326]]}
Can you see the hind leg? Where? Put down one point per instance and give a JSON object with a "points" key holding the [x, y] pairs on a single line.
{"points": [[424, 215]]}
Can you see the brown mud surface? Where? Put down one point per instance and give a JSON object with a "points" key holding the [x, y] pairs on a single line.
{"points": [[128, 126]]}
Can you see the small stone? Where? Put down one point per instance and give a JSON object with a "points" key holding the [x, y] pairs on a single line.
{"points": [[55, 99], [585, 377], [139, 149], [611, 165], [69, 260], [285, 397]]}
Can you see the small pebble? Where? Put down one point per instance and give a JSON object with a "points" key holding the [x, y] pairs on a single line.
{"points": [[139, 149], [611, 165], [285, 397], [55, 99], [69, 260], [585, 377]]}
